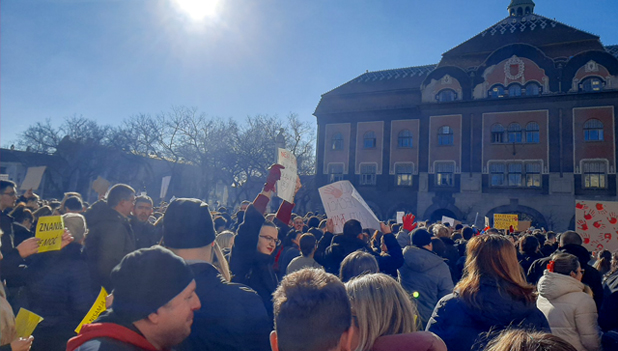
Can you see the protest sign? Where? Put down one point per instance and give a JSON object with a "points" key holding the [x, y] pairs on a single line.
{"points": [[287, 184], [449, 220], [342, 202], [33, 178], [486, 222], [400, 215], [522, 226], [4, 177], [50, 229], [505, 221], [97, 308], [100, 185], [165, 184], [25, 322], [597, 223]]}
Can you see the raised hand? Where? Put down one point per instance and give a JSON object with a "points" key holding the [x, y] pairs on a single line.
{"points": [[408, 222], [274, 175], [28, 247]]}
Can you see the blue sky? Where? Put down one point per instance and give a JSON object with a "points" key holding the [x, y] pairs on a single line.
{"points": [[110, 59]]}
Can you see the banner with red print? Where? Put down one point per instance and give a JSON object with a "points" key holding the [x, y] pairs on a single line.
{"points": [[597, 223]]}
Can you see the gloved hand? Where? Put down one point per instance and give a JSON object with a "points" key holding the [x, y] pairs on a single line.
{"points": [[273, 176], [408, 222]]}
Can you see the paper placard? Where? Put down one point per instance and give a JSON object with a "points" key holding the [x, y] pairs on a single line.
{"points": [[97, 308], [505, 221], [287, 184], [50, 229], [400, 215], [449, 220], [33, 178], [101, 185], [342, 202], [25, 322], [522, 226], [486, 222], [165, 184], [597, 223]]}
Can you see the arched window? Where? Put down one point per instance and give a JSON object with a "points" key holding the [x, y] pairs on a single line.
{"points": [[528, 10], [497, 133], [514, 90], [533, 89], [369, 140], [445, 135], [446, 95], [337, 142], [532, 132], [497, 91], [520, 12], [514, 133], [593, 130], [592, 84], [404, 139]]}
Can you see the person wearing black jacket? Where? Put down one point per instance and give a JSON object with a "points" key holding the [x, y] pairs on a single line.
{"points": [[571, 242]]}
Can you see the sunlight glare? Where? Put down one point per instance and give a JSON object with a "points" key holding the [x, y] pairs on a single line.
{"points": [[198, 9]]}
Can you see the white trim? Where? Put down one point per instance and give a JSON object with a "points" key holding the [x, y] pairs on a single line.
{"points": [[613, 137], [415, 143], [433, 166], [394, 170], [607, 172], [360, 165], [328, 144], [378, 146], [457, 168]]}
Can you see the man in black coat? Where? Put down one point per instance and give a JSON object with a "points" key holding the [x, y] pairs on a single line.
{"points": [[232, 316], [144, 231], [571, 242]]}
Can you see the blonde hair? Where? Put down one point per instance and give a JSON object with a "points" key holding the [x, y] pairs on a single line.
{"points": [[224, 239], [76, 224], [522, 340], [441, 231], [381, 307]]}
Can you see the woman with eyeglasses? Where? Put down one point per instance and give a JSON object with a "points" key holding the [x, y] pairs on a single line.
{"points": [[251, 259], [568, 304]]}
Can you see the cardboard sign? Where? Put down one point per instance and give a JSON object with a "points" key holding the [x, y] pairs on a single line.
{"points": [[449, 220], [50, 229], [597, 223], [165, 184], [25, 322], [33, 178], [400, 215], [522, 226], [97, 308], [342, 202], [100, 185], [505, 221], [287, 184]]}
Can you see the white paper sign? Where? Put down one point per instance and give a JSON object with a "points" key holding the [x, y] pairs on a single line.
{"points": [[165, 184], [400, 217], [342, 202], [33, 178], [597, 223], [287, 184], [448, 220]]}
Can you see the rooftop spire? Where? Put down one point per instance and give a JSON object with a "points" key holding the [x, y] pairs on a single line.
{"points": [[521, 8]]}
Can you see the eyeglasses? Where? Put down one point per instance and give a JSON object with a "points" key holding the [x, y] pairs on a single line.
{"points": [[12, 193], [271, 239]]}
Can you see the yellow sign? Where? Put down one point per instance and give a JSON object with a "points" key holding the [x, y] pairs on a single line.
{"points": [[505, 221], [97, 308], [50, 229], [26, 322]]}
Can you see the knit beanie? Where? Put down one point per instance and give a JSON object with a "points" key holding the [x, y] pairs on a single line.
{"points": [[421, 237], [146, 280], [187, 224]]}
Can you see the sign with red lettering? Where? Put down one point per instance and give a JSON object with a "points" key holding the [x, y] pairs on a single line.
{"points": [[287, 184], [342, 202]]}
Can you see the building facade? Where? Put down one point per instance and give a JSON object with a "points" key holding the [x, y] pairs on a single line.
{"points": [[518, 119]]}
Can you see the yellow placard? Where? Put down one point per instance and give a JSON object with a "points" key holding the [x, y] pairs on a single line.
{"points": [[505, 221], [50, 229], [97, 308], [25, 322]]}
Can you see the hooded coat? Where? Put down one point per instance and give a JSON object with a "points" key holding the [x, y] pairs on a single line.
{"points": [[609, 311], [461, 325], [426, 273], [571, 313]]}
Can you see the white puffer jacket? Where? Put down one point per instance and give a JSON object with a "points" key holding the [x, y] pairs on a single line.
{"points": [[571, 312]]}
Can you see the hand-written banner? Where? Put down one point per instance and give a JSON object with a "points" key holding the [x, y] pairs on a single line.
{"points": [[26, 322], [449, 220], [97, 308], [50, 229], [505, 221], [33, 178], [597, 223], [400, 215], [342, 202], [287, 184]]}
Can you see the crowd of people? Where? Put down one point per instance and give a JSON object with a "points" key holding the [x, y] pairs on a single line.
{"points": [[185, 276]]}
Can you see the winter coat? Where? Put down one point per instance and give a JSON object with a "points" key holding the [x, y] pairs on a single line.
{"points": [[145, 233], [548, 249], [20, 233], [571, 313], [301, 262], [7, 320], [418, 341], [11, 270], [109, 239], [288, 254], [232, 316], [525, 260], [609, 311], [461, 325], [250, 267], [592, 277], [426, 273], [452, 255], [59, 289]]}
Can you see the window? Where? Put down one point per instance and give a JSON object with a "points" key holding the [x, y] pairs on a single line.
{"points": [[446, 95], [533, 174], [593, 130], [514, 90], [595, 174], [514, 133], [592, 84], [444, 173], [369, 140], [335, 172], [532, 132], [533, 89], [368, 174], [404, 139], [403, 174], [337, 142], [498, 174], [445, 135], [515, 174], [497, 91], [497, 133]]}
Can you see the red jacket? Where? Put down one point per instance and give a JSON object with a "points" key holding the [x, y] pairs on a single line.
{"points": [[111, 331]]}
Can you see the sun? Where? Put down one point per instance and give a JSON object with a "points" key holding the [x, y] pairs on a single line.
{"points": [[198, 9]]}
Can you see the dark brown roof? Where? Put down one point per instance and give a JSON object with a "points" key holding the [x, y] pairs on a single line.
{"points": [[613, 50]]}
